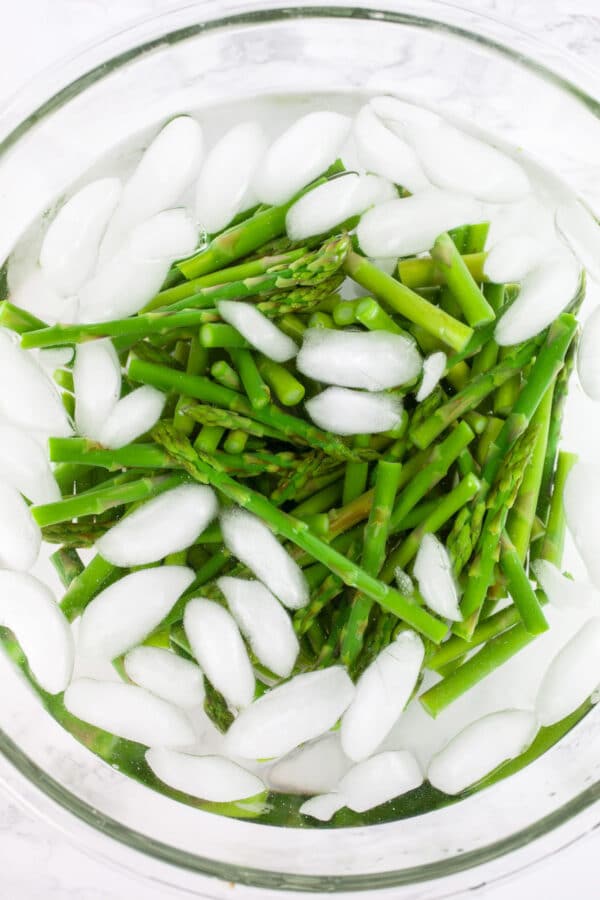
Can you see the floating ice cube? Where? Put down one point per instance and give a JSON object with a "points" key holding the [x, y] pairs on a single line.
{"points": [[582, 233], [373, 360], [129, 712], [433, 571], [563, 592], [166, 524], [384, 153], [588, 356], [213, 778], [345, 412], [480, 748], [28, 398], [323, 807], [257, 329], [164, 673], [263, 622], [220, 650], [299, 155], [382, 692], [20, 537], [36, 295], [252, 542], [225, 177], [125, 282], [402, 113], [124, 613], [132, 416], [410, 225], [582, 491], [97, 382], [332, 203], [24, 465], [457, 161], [169, 164], [434, 367], [573, 675], [545, 292], [70, 247], [379, 779], [315, 767], [513, 257], [289, 715], [29, 609]]}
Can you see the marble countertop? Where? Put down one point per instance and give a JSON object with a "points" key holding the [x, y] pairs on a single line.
{"points": [[37, 862]]}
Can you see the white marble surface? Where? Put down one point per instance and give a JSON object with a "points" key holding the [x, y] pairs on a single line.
{"points": [[38, 862]]}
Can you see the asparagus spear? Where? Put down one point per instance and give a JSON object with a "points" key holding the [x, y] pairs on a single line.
{"points": [[543, 372], [140, 326], [408, 304], [464, 288], [521, 517], [201, 388], [421, 272], [243, 238], [491, 656], [442, 511], [96, 576], [296, 532], [561, 387], [222, 372], [471, 396], [257, 391], [498, 505], [519, 588], [97, 501], [552, 543], [376, 535], [288, 390], [68, 564]]}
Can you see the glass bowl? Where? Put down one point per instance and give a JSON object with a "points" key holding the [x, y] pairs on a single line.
{"points": [[52, 134]]}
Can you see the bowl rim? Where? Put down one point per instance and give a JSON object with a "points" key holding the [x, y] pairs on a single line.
{"points": [[130, 42]]}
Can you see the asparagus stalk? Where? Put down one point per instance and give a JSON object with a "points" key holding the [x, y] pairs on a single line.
{"points": [[376, 535], [491, 656], [222, 372], [408, 304], [419, 272], [98, 501], [442, 512], [137, 327], [243, 238], [68, 564], [296, 532], [552, 544], [246, 269], [519, 588], [561, 387], [356, 474], [309, 270], [196, 364], [499, 503], [97, 575], [521, 517], [471, 396], [288, 390], [543, 372], [220, 335], [88, 453], [257, 391], [441, 457], [464, 288], [235, 442], [201, 388]]}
